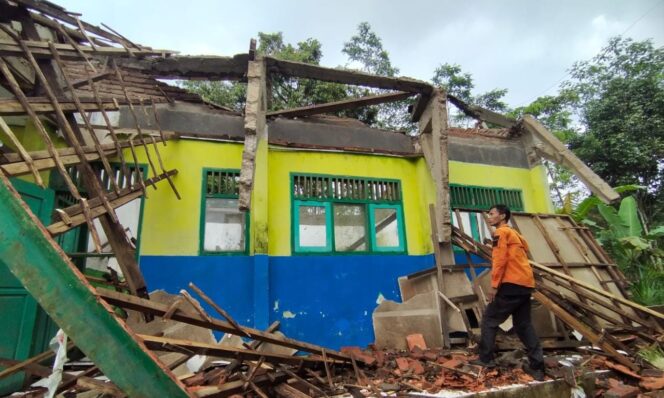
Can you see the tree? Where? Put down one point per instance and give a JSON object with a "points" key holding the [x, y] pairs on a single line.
{"points": [[365, 51], [454, 81], [619, 99]]}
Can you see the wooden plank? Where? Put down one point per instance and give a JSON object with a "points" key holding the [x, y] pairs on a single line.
{"points": [[482, 114], [164, 344], [558, 153], [577, 325], [138, 304], [255, 128], [336, 106], [39, 358], [286, 391], [308, 71]]}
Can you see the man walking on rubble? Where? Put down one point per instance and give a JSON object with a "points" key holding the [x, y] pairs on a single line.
{"points": [[512, 283]]}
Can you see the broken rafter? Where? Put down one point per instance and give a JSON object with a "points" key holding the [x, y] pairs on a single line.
{"points": [[188, 67], [308, 71], [586, 331], [97, 209], [482, 114], [147, 306], [166, 344], [552, 149], [23, 167], [336, 106], [48, 9]]}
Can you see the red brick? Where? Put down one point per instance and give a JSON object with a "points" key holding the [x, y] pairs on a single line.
{"points": [[351, 349], [416, 353], [416, 340], [430, 356], [417, 367], [652, 383], [402, 364], [380, 358], [366, 358], [622, 391], [452, 363]]}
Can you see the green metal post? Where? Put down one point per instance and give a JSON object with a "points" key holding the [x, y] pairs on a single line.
{"points": [[60, 288]]}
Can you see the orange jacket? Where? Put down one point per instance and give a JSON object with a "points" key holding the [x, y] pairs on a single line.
{"points": [[510, 259]]}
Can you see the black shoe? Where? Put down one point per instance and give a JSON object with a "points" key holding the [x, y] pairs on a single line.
{"points": [[478, 362], [537, 374]]}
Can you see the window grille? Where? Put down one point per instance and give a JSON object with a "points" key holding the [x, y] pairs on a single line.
{"points": [[482, 198], [353, 189]]}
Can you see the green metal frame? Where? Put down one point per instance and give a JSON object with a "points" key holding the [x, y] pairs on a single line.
{"points": [[201, 230], [37, 261], [330, 202], [400, 229]]}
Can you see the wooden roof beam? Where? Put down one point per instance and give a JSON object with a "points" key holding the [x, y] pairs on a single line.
{"points": [[344, 76], [186, 67], [336, 106], [40, 49]]}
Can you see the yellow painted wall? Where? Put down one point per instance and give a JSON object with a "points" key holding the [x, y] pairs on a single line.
{"points": [[171, 227], [283, 162], [29, 136]]}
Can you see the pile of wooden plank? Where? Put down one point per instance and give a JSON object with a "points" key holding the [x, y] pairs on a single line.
{"points": [[581, 296]]}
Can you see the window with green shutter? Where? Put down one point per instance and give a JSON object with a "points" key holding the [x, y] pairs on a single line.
{"points": [[341, 215]]}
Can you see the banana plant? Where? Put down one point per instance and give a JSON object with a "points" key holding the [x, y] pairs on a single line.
{"points": [[622, 234]]}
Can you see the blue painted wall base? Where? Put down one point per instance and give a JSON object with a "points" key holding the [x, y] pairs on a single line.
{"points": [[324, 300]]}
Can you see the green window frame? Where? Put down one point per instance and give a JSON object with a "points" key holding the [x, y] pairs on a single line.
{"points": [[328, 227], [401, 247], [217, 183], [330, 190]]}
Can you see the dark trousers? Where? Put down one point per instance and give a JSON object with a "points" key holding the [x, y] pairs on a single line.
{"points": [[496, 313]]}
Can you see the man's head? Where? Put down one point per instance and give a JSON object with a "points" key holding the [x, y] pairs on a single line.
{"points": [[499, 214]]}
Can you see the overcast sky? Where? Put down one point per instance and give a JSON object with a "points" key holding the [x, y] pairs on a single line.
{"points": [[526, 46]]}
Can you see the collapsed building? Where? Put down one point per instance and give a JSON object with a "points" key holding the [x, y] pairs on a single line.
{"points": [[340, 233]]}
